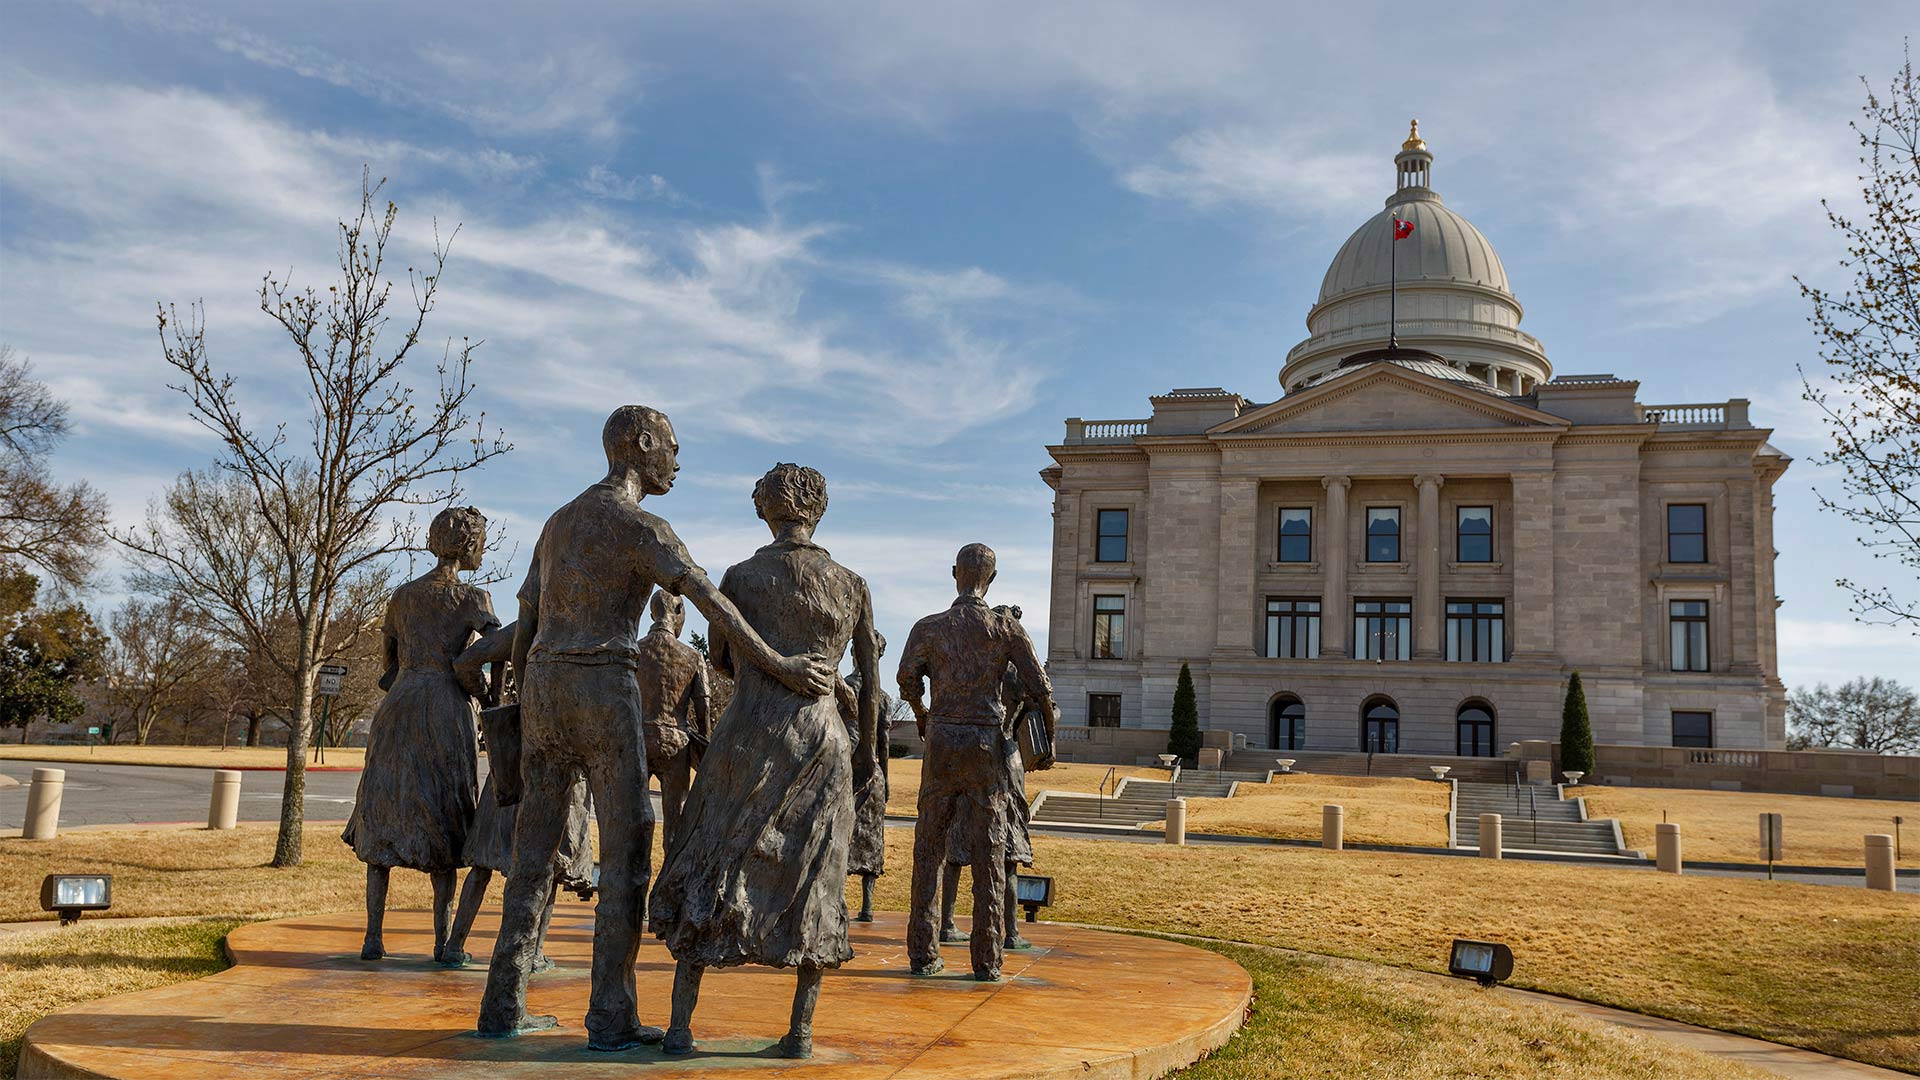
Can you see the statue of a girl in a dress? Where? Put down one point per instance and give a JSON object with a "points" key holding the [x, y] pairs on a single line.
{"points": [[867, 853], [757, 873], [421, 781]]}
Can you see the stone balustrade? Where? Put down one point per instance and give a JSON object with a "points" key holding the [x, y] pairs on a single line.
{"points": [[1708, 416], [1080, 432]]}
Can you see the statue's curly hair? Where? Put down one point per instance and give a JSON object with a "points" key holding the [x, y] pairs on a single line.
{"points": [[455, 531], [790, 491]]}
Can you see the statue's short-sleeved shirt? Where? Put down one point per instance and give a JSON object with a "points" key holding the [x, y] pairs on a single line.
{"points": [[965, 651], [596, 563]]}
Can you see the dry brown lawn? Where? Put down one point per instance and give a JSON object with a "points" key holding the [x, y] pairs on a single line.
{"points": [[1724, 826], [198, 757], [1835, 969], [903, 780], [1379, 810]]}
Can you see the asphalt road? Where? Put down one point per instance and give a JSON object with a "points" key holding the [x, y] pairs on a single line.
{"points": [[120, 794]]}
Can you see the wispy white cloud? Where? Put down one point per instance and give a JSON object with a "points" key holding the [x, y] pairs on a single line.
{"points": [[602, 182]]}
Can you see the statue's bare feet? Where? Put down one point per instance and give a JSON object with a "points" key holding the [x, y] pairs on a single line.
{"points": [[678, 1041], [373, 949], [932, 967], [640, 1036], [795, 1045], [525, 1025]]}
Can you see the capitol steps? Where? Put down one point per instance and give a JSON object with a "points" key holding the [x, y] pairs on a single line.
{"points": [[1136, 801], [1532, 819], [1353, 763]]}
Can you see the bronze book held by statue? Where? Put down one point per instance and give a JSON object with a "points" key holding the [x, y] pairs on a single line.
{"points": [[501, 726], [1036, 742]]}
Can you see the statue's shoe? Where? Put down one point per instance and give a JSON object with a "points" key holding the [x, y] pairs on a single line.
{"points": [[986, 974], [523, 1026], [1016, 943], [641, 1036], [796, 1046], [373, 950], [950, 936], [540, 964], [932, 967], [454, 959], [678, 1041]]}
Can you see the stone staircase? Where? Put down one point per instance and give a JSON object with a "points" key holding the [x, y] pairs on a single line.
{"points": [[1532, 818], [1135, 801], [1354, 763]]}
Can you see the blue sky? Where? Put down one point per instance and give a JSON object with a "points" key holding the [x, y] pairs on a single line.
{"points": [[901, 242]]}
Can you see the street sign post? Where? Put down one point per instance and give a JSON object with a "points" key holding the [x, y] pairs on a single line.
{"points": [[328, 686], [1772, 841]]}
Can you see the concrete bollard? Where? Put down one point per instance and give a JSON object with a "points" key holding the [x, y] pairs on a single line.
{"points": [[224, 811], [1666, 844], [1489, 836], [43, 804], [1880, 861], [1177, 820], [1333, 827]]}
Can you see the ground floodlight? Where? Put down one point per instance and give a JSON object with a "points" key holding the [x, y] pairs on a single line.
{"points": [[71, 894], [1485, 962], [1033, 891]]}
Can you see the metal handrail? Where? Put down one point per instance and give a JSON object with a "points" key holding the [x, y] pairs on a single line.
{"points": [[1102, 805]]}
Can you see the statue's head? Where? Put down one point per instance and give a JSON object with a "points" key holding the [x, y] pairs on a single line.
{"points": [[973, 569], [880, 640], [641, 439], [790, 494], [668, 610], [458, 533]]}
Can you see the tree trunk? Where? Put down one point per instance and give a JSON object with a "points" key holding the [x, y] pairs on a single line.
{"points": [[253, 730], [293, 796]]}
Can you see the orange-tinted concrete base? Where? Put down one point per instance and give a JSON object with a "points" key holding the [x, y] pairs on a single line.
{"points": [[300, 1003]]}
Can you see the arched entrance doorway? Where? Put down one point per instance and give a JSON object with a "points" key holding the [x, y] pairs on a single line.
{"points": [[1473, 726], [1380, 726], [1287, 723]]}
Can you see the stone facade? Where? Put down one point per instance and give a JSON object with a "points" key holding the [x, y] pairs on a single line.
{"points": [[1577, 473], [1578, 558]]}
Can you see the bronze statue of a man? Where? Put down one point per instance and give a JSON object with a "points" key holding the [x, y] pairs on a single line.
{"points": [[597, 561], [964, 800], [673, 690]]}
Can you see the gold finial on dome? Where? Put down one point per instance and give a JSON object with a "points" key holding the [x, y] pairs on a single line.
{"points": [[1414, 141]]}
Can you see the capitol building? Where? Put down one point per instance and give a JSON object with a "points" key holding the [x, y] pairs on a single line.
{"points": [[1411, 549]]}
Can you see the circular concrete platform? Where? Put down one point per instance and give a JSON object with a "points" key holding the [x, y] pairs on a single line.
{"points": [[300, 1003]]}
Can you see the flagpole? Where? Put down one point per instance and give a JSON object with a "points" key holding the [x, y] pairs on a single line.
{"points": [[1393, 283]]}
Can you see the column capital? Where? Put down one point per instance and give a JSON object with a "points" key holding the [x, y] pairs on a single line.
{"points": [[1433, 480], [1342, 481]]}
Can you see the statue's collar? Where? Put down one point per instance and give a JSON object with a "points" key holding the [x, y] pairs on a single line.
{"points": [[970, 599]]}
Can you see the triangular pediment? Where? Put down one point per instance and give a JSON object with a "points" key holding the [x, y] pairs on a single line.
{"points": [[1387, 397]]}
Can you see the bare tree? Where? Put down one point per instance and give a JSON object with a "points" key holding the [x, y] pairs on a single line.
{"points": [[304, 535], [58, 528], [157, 662], [1874, 714], [1867, 337]]}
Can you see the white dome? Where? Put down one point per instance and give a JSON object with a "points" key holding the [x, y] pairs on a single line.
{"points": [[1444, 247], [1452, 295]]}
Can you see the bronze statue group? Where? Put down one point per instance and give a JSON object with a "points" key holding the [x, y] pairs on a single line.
{"points": [[768, 808]]}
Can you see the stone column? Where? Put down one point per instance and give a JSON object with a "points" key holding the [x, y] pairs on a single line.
{"points": [[1530, 615], [1426, 571], [1239, 533], [1335, 604]]}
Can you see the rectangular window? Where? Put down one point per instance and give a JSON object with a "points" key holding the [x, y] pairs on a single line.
{"points": [[1112, 544], [1687, 622], [1296, 534], [1109, 627], [1687, 532], [1693, 729], [1473, 534], [1383, 534], [1382, 629], [1293, 628], [1477, 631], [1103, 710]]}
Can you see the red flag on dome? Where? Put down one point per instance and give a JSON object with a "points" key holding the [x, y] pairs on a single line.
{"points": [[1402, 228]]}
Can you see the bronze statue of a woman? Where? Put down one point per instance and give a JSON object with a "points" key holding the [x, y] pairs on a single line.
{"points": [[420, 784], [757, 873]]}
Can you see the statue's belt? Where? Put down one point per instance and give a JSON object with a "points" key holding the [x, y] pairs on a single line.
{"points": [[965, 721]]}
